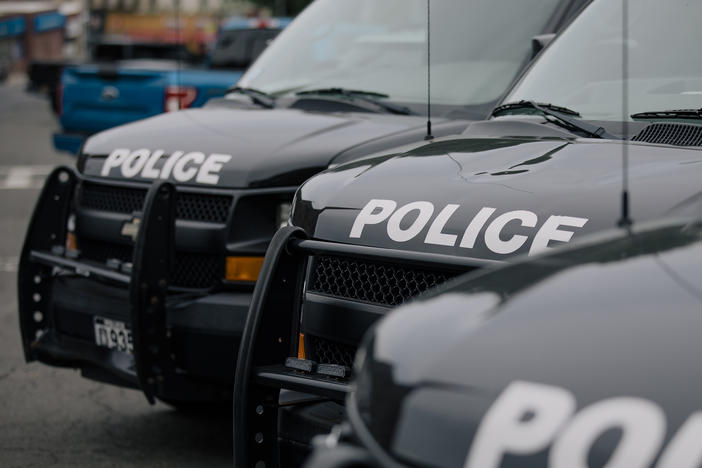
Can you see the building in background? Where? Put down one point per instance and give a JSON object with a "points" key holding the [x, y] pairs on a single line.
{"points": [[153, 6], [12, 28], [226, 7], [75, 28], [30, 30], [194, 23], [46, 31]]}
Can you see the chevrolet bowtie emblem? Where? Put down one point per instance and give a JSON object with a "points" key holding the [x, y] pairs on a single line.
{"points": [[131, 228]]}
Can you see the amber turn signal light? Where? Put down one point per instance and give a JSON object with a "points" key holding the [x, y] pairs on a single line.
{"points": [[301, 347], [71, 241], [243, 268]]}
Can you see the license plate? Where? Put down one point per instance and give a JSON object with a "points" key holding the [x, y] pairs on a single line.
{"points": [[113, 334]]}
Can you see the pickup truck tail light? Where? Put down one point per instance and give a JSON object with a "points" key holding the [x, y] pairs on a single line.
{"points": [[179, 97]]}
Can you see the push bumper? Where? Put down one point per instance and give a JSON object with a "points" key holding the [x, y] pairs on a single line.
{"points": [[267, 363], [179, 339]]}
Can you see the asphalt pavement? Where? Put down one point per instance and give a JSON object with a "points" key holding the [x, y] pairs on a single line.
{"points": [[53, 417]]}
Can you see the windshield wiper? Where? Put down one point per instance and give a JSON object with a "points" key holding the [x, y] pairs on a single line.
{"points": [[354, 94], [562, 116], [261, 98], [529, 105], [695, 114]]}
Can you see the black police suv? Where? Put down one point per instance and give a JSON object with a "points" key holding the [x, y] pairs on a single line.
{"points": [[139, 266], [371, 234], [586, 357]]}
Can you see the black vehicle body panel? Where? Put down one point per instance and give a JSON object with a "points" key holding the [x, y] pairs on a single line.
{"points": [[547, 176], [274, 151], [495, 164], [614, 318], [271, 335], [270, 147], [267, 154], [61, 291], [488, 196], [531, 181], [204, 317]]}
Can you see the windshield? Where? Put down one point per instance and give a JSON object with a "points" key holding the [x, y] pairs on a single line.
{"points": [[582, 70], [478, 48]]}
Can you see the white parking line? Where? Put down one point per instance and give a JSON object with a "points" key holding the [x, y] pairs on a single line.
{"points": [[23, 177], [8, 264]]}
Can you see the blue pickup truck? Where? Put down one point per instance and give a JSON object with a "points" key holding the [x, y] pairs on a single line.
{"points": [[144, 80]]}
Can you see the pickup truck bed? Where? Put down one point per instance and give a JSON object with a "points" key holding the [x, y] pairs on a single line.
{"points": [[129, 82], [98, 97]]}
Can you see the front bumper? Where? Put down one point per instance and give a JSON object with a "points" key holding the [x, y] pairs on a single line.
{"points": [[201, 330], [282, 307], [183, 342]]}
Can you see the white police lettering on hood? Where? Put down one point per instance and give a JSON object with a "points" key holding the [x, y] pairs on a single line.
{"points": [[554, 423], [377, 211], [181, 166]]}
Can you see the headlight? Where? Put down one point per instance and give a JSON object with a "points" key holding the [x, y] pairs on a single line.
{"points": [[282, 214]]}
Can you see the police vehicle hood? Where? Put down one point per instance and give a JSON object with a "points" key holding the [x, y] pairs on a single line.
{"points": [[252, 147], [572, 359], [491, 198]]}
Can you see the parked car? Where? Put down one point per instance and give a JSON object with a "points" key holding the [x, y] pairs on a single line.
{"points": [[371, 234], [138, 268], [584, 357], [143, 80]]}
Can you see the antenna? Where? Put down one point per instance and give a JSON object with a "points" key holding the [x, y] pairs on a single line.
{"points": [[625, 221], [178, 39], [428, 136]]}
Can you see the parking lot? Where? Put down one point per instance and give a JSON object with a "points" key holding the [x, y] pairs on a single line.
{"points": [[51, 416]]}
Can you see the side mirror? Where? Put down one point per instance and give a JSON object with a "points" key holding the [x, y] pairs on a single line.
{"points": [[538, 43]]}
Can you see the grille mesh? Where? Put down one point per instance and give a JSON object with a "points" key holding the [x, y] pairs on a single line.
{"points": [[189, 206], [197, 270], [379, 283], [190, 270], [677, 134], [112, 199], [329, 352], [201, 207]]}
